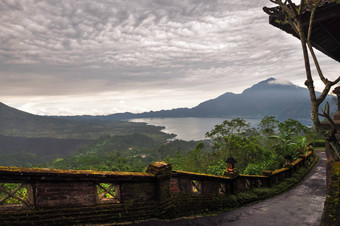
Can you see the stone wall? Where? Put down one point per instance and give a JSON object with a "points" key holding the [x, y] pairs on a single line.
{"points": [[72, 196], [51, 194], [331, 214]]}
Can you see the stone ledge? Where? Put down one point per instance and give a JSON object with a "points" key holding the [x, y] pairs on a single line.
{"points": [[20, 174]]}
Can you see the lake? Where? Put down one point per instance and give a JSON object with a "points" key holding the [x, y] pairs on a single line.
{"points": [[189, 128]]}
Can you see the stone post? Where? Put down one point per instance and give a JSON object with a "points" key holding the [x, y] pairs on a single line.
{"points": [[336, 117], [331, 163], [269, 174], [234, 175], [329, 150], [336, 91], [303, 157], [163, 172]]}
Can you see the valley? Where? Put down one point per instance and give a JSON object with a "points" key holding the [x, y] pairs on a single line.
{"points": [[86, 142]]}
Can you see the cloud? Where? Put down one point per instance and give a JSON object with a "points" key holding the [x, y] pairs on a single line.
{"points": [[87, 48], [280, 82]]}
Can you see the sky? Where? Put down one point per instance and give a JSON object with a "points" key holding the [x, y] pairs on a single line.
{"points": [[101, 57]]}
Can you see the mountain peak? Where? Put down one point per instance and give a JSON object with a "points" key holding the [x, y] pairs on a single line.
{"points": [[272, 84]]}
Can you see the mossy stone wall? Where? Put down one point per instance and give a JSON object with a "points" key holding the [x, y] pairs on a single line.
{"points": [[331, 214], [55, 194], [70, 198]]}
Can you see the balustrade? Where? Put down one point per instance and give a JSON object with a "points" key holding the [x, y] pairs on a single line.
{"points": [[15, 194], [158, 191]]}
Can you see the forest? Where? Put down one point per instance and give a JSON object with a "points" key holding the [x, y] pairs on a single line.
{"points": [[255, 149]]}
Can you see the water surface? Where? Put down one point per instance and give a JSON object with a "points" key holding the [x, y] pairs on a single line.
{"points": [[189, 128]]}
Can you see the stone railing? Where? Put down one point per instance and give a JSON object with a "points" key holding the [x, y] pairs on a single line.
{"points": [[193, 192], [332, 204], [44, 196]]}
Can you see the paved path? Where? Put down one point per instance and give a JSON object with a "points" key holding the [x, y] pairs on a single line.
{"points": [[302, 205]]}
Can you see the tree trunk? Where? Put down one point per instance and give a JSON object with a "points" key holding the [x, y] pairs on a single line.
{"points": [[315, 115]]}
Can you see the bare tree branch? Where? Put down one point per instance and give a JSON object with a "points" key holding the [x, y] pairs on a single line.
{"points": [[294, 18], [293, 8], [336, 81], [302, 2]]}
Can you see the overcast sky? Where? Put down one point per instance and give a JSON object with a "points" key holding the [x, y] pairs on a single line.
{"points": [[99, 57]]}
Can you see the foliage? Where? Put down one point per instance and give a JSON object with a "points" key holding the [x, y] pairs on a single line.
{"points": [[267, 125], [29, 151], [273, 162], [295, 16], [255, 150], [217, 169], [121, 153], [21, 193], [102, 188]]}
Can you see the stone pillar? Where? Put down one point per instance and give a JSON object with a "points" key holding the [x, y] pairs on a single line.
{"points": [[336, 91], [329, 168], [329, 150], [269, 174], [303, 157], [234, 183], [336, 117], [163, 172]]}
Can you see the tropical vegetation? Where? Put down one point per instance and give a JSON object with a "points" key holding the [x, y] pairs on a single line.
{"points": [[255, 149]]}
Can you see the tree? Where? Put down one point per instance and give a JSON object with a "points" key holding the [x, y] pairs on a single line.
{"points": [[268, 125], [236, 138], [292, 15]]}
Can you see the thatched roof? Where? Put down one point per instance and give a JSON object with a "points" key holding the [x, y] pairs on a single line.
{"points": [[325, 29]]}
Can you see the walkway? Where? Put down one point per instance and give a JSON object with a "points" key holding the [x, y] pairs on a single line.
{"points": [[302, 205]]}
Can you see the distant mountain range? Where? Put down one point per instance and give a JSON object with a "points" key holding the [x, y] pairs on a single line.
{"points": [[16, 123], [27, 139], [267, 98]]}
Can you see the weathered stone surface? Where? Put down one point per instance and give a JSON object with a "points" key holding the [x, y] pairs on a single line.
{"points": [[162, 188], [174, 187], [231, 174], [55, 194], [267, 172], [336, 91], [160, 169], [137, 192]]}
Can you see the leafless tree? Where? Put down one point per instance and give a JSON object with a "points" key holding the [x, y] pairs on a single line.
{"points": [[293, 16]]}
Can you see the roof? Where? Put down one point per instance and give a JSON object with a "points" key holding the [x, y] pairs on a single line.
{"points": [[325, 29]]}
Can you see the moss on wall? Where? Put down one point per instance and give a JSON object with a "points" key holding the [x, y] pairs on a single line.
{"points": [[331, 214], [203, 204], [184, 203]]}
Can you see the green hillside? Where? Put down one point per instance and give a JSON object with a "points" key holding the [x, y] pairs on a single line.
{"points": [[30, 140], [17, 123]]}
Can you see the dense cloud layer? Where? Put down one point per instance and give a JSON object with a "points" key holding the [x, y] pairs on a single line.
{"points": [[60, 57]]}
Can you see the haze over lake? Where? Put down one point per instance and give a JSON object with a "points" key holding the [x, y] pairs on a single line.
{"points": [[189, 128]]}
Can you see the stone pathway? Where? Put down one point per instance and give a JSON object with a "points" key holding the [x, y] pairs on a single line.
{"points": [[302, 205]]}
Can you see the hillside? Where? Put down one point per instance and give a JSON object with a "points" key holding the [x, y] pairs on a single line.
{"points": [[28, 140], [268, 97], [265, 98], [17, 123], [23, 151]]}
